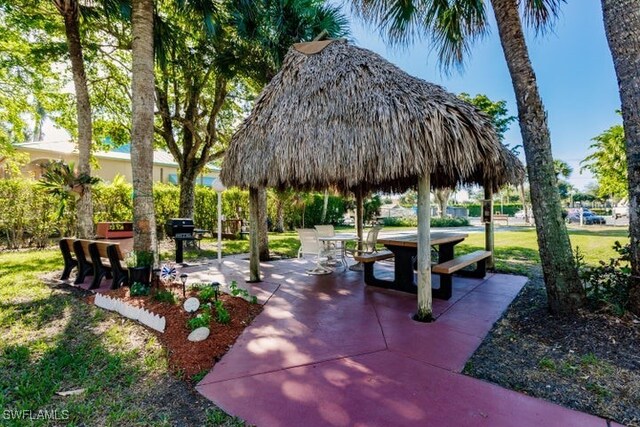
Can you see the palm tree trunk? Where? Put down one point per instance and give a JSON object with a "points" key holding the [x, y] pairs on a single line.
{"points": [[69, 11], [280, 214], [564, 289], [142, 88], [325, 205], [254, 247], [622, 26], [263, 230]]}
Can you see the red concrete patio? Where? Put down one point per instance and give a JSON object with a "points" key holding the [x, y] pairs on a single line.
{"points": [[328, 350]]}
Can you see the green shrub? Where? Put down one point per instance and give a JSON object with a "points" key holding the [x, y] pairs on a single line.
{"points": [[609, 282], [165, 296], [449, 222], [508, 208], [138, 289], [207, 294], [222, 315], [202, 319], [435, 222]]}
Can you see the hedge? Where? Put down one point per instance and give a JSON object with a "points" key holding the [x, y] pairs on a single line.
{"points": [[30, 216], [435, 222], [508, 208]]}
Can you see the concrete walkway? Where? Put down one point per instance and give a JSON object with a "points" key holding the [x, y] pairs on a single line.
{"points": [[329, 351]]}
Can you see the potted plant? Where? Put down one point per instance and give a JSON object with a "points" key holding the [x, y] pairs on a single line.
{"points": [[139, 264]]}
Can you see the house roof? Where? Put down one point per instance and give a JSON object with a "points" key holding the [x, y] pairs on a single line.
{"points": [[160, 157]]}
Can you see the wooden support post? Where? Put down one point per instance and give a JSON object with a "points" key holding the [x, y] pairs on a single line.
{"points": [[425, 313], [359, 216], [254, 247], [488, 228]]}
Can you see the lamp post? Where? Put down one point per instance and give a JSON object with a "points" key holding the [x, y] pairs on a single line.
{"points": [[216, 287], [219, 187], [183, 279]]}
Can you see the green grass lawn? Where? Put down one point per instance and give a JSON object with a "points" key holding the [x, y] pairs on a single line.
{"points": [[53, 342]]}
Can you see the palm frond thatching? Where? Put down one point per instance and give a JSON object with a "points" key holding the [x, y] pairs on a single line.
{"points": [[345, 117]]}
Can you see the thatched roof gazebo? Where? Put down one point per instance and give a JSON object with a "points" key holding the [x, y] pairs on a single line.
{"points": [[341, 116]]}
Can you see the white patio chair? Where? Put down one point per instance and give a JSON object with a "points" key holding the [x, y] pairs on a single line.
{"points": [[310, 245], [325, 230], [368, 246]]}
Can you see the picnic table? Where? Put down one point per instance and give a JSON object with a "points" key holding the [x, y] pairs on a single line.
{"points": [[405, 249]]}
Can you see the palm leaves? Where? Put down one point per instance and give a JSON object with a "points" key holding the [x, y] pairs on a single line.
{"points": [[452, 25], [61, 180]]}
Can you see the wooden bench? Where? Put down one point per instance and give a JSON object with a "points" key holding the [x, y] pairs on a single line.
{"points": [[368, 259], [106, 257], [114, 230], [501, 217], [66, 247], [98, 259], [447, 268]]}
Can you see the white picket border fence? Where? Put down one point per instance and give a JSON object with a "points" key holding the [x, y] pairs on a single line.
{"points": [[143, 316]]}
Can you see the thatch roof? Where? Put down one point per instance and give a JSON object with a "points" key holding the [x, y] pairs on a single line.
{"points": [[345, 117]]}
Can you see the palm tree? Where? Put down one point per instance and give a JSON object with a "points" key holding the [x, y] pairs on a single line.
{"points": [[70, 11], [453, 26], [142, 90], [622, 26]]}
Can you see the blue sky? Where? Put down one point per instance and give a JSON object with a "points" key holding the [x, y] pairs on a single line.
{"points": [[572, 63]]}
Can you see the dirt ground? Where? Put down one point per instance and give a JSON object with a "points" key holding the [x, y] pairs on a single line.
{"points": [[590, 362]]}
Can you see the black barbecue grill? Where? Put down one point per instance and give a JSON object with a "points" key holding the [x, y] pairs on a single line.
{"points": [[181, 229]]}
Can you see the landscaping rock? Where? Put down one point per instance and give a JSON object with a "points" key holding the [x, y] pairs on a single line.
{"points": [[191, 304], [199, 334]]}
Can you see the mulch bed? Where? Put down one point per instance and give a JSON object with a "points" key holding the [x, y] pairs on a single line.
{"points": [[590, 362], [188, 358]]}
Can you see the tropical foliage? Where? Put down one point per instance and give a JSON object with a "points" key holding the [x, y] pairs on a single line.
{"points": [[608, 163]]}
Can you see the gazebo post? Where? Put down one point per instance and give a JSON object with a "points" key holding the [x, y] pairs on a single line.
{"points": [[488, 227], [359, 216], [254, 249], [425, 313]]}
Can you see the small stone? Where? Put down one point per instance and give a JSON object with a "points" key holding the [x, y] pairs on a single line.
{"points": [[199, 334], [191, 304]]}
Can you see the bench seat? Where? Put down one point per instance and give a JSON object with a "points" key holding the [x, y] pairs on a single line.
{"points": [[447, 268], [373, 257], [450, 267]]}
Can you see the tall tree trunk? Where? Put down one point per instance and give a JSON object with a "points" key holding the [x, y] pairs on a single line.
{"points": [[263, 229], [525, 207], [564, 289], [142, 90], [280, 214], [254, 247], [622, 26], [187, 194], [84, 209], [442, 198], [325, 205]]}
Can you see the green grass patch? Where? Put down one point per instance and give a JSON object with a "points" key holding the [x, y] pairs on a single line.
{"points": [[52, 341]]}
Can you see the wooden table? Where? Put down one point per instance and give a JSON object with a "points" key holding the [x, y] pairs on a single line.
{"points": [[405, 249]]}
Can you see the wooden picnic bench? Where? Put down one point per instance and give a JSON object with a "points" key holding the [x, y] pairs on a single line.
{"points": [[95, 258], [368, 260], [455, 265]]}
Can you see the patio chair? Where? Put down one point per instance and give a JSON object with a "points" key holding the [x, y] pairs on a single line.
{"points": [[368, 244], [326, 231], [310, 245]]}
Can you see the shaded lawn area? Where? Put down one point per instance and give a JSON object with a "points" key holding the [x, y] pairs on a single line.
{"points": [[53, 342]]}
